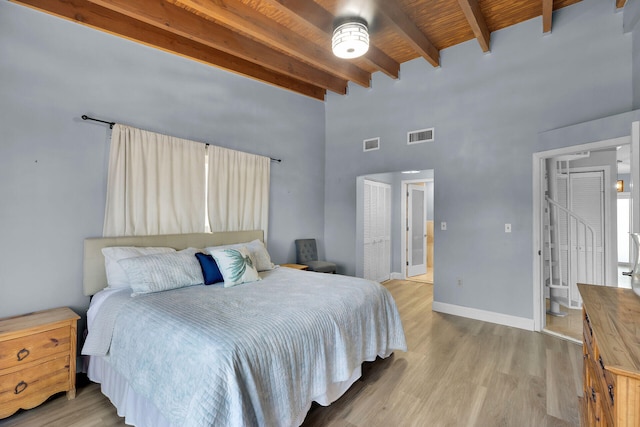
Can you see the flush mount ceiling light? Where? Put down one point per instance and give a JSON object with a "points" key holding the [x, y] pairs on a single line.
{"points": [[350, 38]]}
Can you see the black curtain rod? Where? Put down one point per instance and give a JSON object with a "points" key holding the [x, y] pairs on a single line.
{"points": [[85, 117], [111, 124]]}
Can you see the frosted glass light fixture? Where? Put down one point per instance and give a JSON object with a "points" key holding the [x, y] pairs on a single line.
{"points": [[350, 38]]}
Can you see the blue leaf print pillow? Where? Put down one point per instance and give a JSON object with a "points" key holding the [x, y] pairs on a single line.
{"points": [[236, 265]]}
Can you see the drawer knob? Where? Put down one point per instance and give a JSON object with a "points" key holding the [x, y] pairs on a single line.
{"points": [[22, 354], [22, 386]]}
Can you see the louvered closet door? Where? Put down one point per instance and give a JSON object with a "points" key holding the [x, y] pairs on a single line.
{"points": [[583, 194], [586, 196], [377, 231]]}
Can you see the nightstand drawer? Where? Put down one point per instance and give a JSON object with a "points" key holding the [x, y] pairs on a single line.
{"points": [[30, 348], [37, 358], [30, 386]]}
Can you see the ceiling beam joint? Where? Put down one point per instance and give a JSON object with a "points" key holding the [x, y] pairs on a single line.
{"points": [[476, 20], [547, 14], [409, 31]]}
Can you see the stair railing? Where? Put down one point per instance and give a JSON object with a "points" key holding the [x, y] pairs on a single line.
{"points": [[579, 224]]}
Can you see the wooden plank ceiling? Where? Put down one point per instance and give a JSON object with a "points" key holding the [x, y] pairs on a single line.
{"points": [[287, 43]]}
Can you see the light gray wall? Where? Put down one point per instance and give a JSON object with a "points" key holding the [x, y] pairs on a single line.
{"points": [[487, 110], [53, 166], [626, 177], [630, 23]]}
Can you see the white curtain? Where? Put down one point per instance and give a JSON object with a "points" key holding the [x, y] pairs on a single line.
{"points": [[156, 184], [238, 190]]}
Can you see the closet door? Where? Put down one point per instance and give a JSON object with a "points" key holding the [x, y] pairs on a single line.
{"points": [[583, 194], [587, 200], [377, 231]]}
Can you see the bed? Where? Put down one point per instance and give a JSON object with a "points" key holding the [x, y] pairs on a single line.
{"points": [[257, 353]]}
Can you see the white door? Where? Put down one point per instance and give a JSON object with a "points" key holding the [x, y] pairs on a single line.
{"points": [[416, 230], [582, 193], [377, 231]]}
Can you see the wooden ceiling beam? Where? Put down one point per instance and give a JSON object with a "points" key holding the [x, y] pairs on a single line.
{"points": [[83, 12], [409, 31], [311, 13], [476, 20], [382, 62], [620, 3], [547, 14], [178, 21], [242, 18]]}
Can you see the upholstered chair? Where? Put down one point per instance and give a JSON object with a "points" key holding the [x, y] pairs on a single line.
{"points": [[307, 254]]}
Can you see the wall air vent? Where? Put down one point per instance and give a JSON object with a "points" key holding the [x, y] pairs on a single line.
{"points": [[371, 144], [420, 136]]}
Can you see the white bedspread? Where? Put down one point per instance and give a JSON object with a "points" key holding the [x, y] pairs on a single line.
{"points": [[253, 354]]}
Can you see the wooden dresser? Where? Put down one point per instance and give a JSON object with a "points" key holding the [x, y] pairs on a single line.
{"points": [[37, 358], [296, 266], [611, 349]]}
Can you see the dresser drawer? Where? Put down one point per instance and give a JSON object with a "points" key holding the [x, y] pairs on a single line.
{"points": [[31, 386], [607, 385], [30, 348]]}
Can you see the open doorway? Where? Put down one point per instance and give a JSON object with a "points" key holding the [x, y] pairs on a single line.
{"points": [[576, 236], [395, 181]]}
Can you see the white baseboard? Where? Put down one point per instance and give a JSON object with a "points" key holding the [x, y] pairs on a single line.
{"points": [[396, 276], [485, 316]]}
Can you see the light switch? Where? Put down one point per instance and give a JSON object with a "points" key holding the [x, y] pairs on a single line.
{"points": [[507, 228], [443, 226]]}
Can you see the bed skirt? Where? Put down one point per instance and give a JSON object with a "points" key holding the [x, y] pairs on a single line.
{"points": [[140, 412]]}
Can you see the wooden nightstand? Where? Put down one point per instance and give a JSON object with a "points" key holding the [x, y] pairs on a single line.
{"points": [[37, 358], [295, 266]]}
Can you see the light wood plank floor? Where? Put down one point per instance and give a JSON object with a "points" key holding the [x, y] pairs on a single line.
{"points": [[457, 372], [423, 278], [569, 326]]}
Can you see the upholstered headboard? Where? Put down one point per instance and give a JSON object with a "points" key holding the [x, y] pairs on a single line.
{"points": [[95, 278]]}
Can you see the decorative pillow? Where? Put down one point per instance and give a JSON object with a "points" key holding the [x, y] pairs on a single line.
{"points": [[236, 266], [261, 255], [116, 276], [210, 270], [256, 249], [161, 272]]}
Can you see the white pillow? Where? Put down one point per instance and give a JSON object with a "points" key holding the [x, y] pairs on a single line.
{"points": [[257, 250], [116, 276], [163, 271], [261, 255], [236, 265]]}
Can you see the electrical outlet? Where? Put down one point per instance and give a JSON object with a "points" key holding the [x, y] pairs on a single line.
{"points": [[459, 281], [443, 226], [507, 228]]}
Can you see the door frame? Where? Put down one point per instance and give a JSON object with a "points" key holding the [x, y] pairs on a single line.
{"points": [[403, 225], [539, 308], [630, 248]]}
